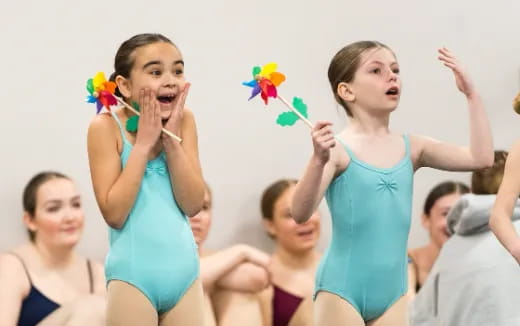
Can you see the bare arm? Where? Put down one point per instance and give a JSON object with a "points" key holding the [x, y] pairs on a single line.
{"points": [[318, 175], [450, 157], [115, 188], [217, 265], [184, 167], [246, 277], [412, 280], [14, 287], [500, 220]]}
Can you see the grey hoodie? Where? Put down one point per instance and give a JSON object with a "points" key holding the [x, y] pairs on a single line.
{"points": [[470, 215], [474, 281]]}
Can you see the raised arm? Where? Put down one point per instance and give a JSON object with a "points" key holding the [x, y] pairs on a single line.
{"points": [[444, 156], [500, 219]]}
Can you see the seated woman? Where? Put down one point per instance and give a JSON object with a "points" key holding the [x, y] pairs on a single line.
{"points": [[436, 207], [474, 280], [294, 261], [45, 281], [230, 277]]}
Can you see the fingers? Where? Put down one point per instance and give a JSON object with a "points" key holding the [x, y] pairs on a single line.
{"points": [[323, 134], [178, 104]]}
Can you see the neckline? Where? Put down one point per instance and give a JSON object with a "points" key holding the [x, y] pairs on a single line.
{"points": [[403, 161]]}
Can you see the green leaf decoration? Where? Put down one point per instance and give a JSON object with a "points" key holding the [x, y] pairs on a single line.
{"points": [[133, 122], [90, 86], [289, 118], [136, 106], [256, 71], [300, 106]]}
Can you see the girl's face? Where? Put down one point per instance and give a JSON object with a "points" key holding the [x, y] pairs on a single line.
{"points": [[58, 218], [436, 222], [376, 85], [288, 234], [201, 222], [159, 67]]}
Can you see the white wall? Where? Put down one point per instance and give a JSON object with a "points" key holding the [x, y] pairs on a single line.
{"points": [[50, 48]]}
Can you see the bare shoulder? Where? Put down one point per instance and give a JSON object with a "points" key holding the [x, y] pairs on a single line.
{"points": [[188, 118], [339, 158], [13, 274]]}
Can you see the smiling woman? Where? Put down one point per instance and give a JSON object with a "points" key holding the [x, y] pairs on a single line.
{"points": [[294, 261], [45, 281]]}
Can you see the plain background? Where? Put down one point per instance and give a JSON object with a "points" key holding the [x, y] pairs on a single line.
{"points": [[50, 48]]}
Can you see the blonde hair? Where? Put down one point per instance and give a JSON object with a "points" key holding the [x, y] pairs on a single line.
{"points": [[487, 181], [516, 104]]}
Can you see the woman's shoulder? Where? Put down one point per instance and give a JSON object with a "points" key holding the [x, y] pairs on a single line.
{"points": [[12, 269]]}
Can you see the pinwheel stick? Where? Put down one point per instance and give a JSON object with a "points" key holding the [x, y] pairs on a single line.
{"points": [[304, 119], [177, 138]]}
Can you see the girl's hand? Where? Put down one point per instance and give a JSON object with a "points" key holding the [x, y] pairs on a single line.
{"points": [[174, 123], [323, 140], [463, 81], [150, 120]]}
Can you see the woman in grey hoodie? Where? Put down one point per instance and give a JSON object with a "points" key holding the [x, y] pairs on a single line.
{"points": [[474, 281]]}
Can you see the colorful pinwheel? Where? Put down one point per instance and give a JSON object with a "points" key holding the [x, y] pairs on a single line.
{"points": [[264, 82], [101, 92]]}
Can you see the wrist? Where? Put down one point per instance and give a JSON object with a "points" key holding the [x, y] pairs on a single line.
{"points": [[169, 143], [318, 162], [141, 148]]}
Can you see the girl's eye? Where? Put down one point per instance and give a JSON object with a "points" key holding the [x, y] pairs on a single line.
{"points": [[376, 70], [155, 72]]}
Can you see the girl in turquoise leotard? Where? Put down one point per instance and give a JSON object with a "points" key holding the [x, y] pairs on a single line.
{"points": [[366, 173], [146, 184]]}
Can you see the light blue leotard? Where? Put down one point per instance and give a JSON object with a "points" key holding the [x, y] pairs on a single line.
{"points": [[154, 250], [366, 262]]}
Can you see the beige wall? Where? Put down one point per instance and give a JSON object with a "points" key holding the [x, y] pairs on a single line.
{"points": [[50, 48]]}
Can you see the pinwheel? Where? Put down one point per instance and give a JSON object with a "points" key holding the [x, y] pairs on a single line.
{"points": [[264, 82], [102, 92]]}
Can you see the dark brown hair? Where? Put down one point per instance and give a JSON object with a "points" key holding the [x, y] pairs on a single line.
{"points": [[272, 194], [487, 181], [30, 193], [441, 190], [344, 65], [125, 60]]}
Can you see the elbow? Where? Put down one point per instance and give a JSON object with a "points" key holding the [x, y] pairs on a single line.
{"points": [[487, 161], [192, 209], [113, 220]]}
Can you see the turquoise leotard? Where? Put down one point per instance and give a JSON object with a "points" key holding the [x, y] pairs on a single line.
{"points": [[366, 262], [154, 250]]}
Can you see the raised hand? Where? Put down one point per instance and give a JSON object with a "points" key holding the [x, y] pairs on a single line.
{"points": [[323, 140], [462, 79], [150, 120]]}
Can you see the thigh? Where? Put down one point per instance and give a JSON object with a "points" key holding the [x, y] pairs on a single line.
{"points": [[396, 315], [188, 311], [128, 306], [332, 310], [237, 308]]}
